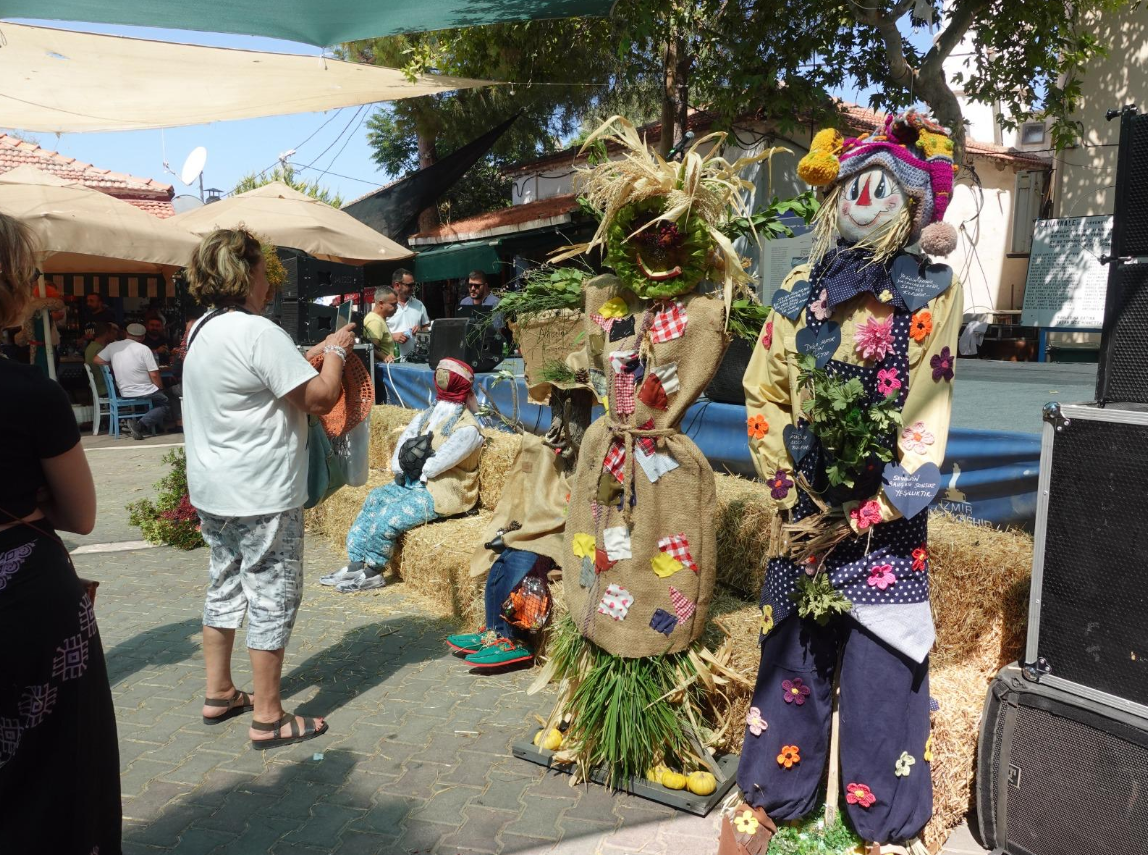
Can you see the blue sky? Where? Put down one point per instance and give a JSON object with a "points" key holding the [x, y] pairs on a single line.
{"points": [[250, 145]]}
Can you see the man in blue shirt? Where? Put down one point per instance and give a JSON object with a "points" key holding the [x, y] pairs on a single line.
{"points": [[478, 294]]}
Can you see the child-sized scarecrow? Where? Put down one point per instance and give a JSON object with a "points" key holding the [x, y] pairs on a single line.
{"points": [[848, 398], [640, 546]]}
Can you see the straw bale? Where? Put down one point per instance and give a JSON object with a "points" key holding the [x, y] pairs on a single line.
{"points": [[387, 422], [498, 453], [434, 561]]}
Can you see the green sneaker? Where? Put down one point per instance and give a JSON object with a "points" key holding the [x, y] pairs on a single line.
{"points": [[502, 652], [467, 642]]}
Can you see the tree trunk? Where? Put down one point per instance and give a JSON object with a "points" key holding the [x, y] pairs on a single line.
{"points": [[669, 97], [428, 218], [682, 86]]}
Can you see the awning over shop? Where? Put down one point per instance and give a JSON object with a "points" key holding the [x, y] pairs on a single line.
{"points": [[454, 262], [306, 21]]}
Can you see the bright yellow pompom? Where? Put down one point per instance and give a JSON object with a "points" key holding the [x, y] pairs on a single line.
{"points": [[932, 144], [827, 139], [818, 168], [673, 780], [701, 783]]}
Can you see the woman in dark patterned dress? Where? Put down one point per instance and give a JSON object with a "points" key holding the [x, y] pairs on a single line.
{"points": [[59, 761]]}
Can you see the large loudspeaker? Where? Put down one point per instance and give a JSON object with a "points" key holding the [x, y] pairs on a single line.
{"points": [[309, 278], [1059, 775], [459, 339], [307, 322], [1122, 374], [1088, 610]]}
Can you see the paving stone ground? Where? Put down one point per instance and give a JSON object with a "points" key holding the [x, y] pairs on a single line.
{"points": [[418, 758]]}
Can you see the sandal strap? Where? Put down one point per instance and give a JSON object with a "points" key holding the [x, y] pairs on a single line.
{"points": [[274, 726], [227, 702]]}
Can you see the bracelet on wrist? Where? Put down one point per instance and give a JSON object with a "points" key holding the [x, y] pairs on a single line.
{"points": [[337, 350]]}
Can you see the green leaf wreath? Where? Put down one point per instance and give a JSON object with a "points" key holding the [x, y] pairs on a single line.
{"points": [[664, 259]]}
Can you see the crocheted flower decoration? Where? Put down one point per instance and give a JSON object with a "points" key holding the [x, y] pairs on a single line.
{"points": [[866, 515], [756, 724], [881, 576], [916, 439], [873, 338], [942, 364], [789, 757], [887, 382], [811, 564], [746, 822], [860, 794], [929, 749], [904, 765], [779, 484], [921, 326], [885, 296], [794, 691], [756, 426], [820, 306], [767, 336], [920, 557], [766, 619]]}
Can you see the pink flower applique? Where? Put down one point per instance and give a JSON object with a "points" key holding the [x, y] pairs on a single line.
{"points": [[916, 439], [756, 724], [873, 338], [920, 557], [881, 576], [860, 794], [767, 336], [866, 515], [820, 306], [795, 691], [887, 382]]}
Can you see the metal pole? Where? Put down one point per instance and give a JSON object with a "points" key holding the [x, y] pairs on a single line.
{"points": [[49, 349]]}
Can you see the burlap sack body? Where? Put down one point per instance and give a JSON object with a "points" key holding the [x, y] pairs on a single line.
{"points": [[681, 502], [545, 338], [535, 495]]}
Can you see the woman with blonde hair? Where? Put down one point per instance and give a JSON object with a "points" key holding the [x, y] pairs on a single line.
{"points": [[247, 392], [59, 759]]}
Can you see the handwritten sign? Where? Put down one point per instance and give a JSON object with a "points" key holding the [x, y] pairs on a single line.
{"points": [[799, 441], [918, 284], [1066, 282], [911, 492], [791, 302], [821, 343]]}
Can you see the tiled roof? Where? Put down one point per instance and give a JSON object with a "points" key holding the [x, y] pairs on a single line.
{"points": [[503, 220], [145, 193]]}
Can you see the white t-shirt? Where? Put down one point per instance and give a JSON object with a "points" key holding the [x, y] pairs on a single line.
{"points": [[246, 443], [131, 361], [406, 318]]}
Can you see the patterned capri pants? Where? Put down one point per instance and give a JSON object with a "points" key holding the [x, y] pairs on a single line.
{"points": [[256, 569], [389, 512]]}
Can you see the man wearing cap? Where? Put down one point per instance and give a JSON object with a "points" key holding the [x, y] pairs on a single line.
{"points": [[137, 377], [435, 465]]}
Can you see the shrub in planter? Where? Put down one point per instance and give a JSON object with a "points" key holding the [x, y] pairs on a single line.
{"points": [[170, 519]]}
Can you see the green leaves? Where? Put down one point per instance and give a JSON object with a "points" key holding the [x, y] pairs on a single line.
{"points": [[767, 222], [746, 318], [818, 600], [547, 289]]}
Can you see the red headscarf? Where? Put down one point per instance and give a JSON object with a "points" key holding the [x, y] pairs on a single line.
{"points": [[453, 380]]}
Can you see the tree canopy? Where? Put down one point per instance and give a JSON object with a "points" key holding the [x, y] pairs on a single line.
{"points": [[286, 174]]}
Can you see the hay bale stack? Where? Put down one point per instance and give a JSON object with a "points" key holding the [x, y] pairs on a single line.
{"points": [[434, 561], [743, 521], [387, 423]]}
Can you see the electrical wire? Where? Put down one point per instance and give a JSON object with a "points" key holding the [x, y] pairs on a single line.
{"points": [[340, 136], [347, 142]]}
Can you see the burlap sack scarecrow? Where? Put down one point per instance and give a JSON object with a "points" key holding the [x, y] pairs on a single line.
{"points": [[848, 397]]}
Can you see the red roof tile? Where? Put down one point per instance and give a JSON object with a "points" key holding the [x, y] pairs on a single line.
{"points": [[471, 227], [145, 193]]}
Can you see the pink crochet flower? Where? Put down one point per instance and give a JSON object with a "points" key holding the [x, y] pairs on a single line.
{"points": [[795, 691], [866, 515], [757, 725], [860, 794], [873, 338], [767, 336], [881, 576], [915, 438], [887, 382], [820, 306]]}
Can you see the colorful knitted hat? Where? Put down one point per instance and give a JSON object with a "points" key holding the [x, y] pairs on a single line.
{"points": [[915, 150]]}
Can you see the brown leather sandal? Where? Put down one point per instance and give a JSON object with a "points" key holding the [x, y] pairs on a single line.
{"points": [[748, 832], [238, 709], [309, 731]]}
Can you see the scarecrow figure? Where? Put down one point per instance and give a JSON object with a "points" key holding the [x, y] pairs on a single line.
{"points": [[640, 547], [848, 398], [435, 465]]}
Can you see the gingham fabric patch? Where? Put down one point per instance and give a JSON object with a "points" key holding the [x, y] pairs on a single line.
{"points": [[624, 393], [615, 462], [669, 323], [676, 546], [683, 605]]}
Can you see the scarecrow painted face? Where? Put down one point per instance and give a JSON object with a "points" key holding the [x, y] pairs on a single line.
{"points": [[869, 201], [654, 258]]}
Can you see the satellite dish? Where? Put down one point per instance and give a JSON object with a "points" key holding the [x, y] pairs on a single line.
{"points": [[186, 202], [193, 166]]}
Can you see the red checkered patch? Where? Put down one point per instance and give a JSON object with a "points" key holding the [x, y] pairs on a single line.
{"points": [[682, 604], [676, 546], [669, 322], [604, 323], [615, 462], [646, 443], [624, 393]]}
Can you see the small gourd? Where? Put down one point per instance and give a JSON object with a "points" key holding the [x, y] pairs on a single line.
{"points": [[655, 774], [701, 783], [673, 780], [552, 742]]}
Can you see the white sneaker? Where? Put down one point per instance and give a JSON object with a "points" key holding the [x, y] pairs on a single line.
{"points": [[340, 575], [361, 582]]}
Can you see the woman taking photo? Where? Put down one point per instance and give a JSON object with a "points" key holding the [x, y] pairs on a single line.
{"points": [[59, 761], [247, 392]]}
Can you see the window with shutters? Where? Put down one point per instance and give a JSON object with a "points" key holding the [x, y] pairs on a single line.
{"points": [[1025, 209]]}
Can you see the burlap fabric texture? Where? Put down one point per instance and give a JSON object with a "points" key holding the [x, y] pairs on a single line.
{"points": [[641, 605]]}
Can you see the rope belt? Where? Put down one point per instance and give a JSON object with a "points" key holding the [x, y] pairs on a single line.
{"points": [[627, 433]]}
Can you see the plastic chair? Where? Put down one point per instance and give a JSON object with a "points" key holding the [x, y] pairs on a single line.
{"points": [[119, 408], [101, 406]]}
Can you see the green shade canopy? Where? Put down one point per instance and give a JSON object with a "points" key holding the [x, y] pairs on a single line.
{"points": [[454, 262], [318, 23]]}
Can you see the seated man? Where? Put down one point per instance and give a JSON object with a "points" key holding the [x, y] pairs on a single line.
{"points": [[375, 328], [156, 337], [103, 334], [137, 377], [436, 475]]}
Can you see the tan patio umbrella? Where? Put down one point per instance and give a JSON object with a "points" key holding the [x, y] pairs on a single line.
{"points": [[81, 230], [286, 217]]}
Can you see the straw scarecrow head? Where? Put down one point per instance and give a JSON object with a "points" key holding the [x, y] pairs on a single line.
{"points": [[887, 189]]}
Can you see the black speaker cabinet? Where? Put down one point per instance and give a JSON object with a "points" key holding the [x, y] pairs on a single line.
{"points": [[460, 339], [307, 322], [308, 278], [1088, 610], [1058, 774]]}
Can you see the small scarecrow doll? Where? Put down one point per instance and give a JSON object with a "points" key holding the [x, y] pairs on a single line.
{"points": [[848, 397], [435, 465], [640, 544], [31, 334]]}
